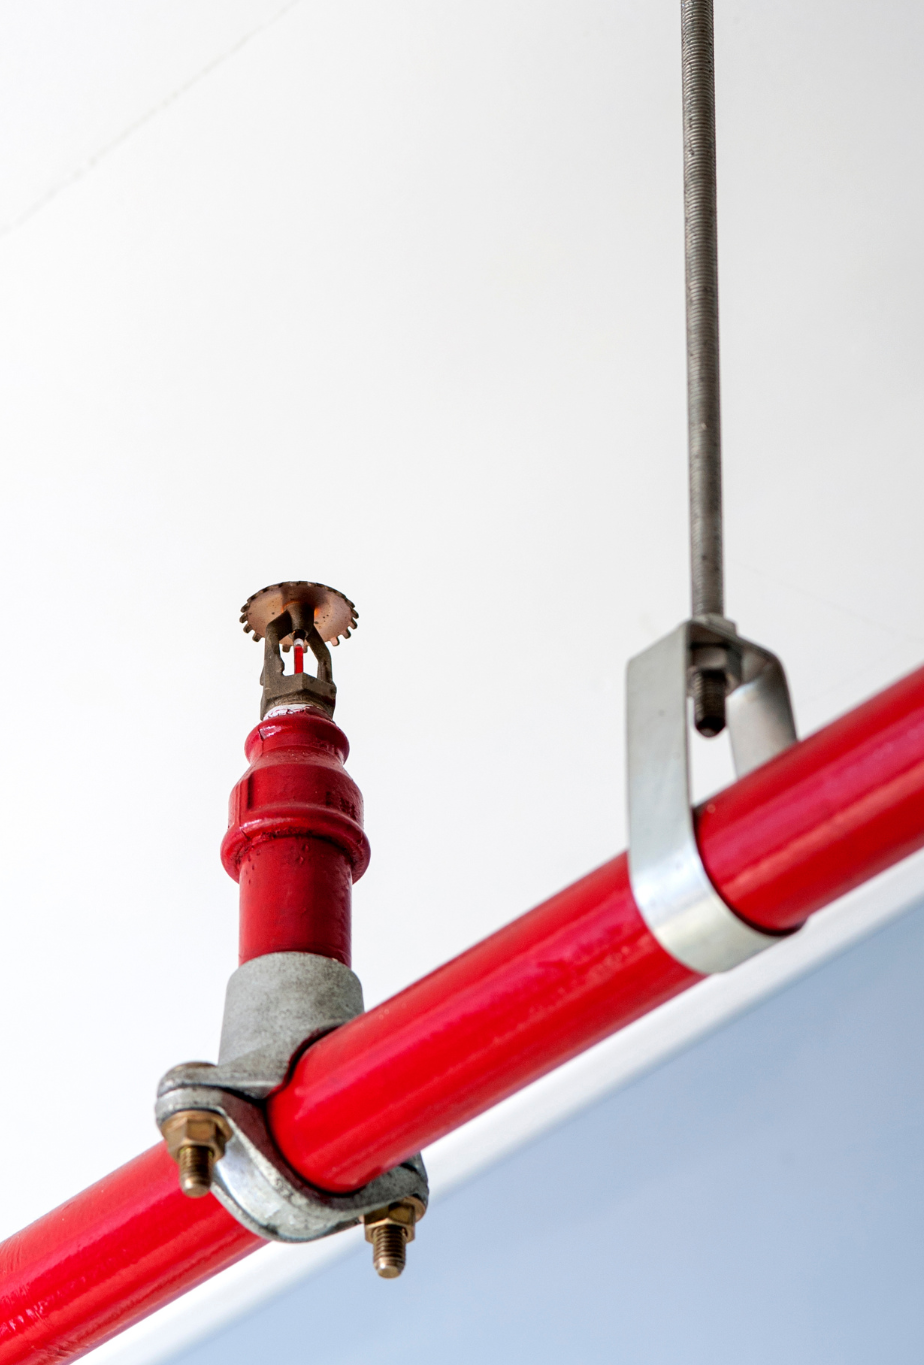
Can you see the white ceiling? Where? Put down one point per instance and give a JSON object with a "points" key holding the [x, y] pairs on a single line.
{"points": [[392, 296]]}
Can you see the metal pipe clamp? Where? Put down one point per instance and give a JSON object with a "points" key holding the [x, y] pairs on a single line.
{"points": [[276, 1006], [672, 890]]}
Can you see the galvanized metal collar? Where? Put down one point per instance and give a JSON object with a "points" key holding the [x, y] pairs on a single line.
{"points": [[671, 887], [276, 1006]]}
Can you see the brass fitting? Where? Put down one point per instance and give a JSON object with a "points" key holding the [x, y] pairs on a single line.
{"points": [[389, 1229], [196, 1139]]}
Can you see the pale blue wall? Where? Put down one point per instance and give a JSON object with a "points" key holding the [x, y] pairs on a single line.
{"points": [[758, 1200]]}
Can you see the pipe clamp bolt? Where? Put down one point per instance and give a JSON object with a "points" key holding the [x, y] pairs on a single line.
{"points": [[389, 1229], [196, 1139]]}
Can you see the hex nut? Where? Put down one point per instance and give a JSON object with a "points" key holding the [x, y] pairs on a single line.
{"points": [[403, 1214], [196, 1128]]}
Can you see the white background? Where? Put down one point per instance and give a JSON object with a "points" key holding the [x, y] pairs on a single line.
{"points": [[391, 296]]}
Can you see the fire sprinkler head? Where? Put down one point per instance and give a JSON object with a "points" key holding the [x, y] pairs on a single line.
{"points": [[334, 614], [300, 616]]}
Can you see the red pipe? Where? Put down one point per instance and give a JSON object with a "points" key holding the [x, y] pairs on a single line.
{"points": [[310, 912], [792, 836], [295, 838], [806, 828], [108, 1257], [516, 1005], [825, 815]]}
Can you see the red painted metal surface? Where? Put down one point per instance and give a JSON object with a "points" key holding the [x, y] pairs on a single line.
{"points": [[823, 817], [127, 1245], [513, 1007], [295, 838]]}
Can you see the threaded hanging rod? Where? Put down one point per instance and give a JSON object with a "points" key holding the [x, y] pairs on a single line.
{"points": [[699, 202]]}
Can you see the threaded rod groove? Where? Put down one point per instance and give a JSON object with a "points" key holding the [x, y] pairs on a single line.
{"points": [[195, 1165], [388, 1250], [709, 701]]}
